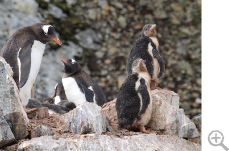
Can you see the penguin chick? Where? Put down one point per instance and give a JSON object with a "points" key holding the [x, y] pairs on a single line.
{"points": [[48, 100], [146, 48], [56, 108], [79, 86], [33, 103], [67, 104], [52, 108], [59, 93], [24, 51], [134, 102]]}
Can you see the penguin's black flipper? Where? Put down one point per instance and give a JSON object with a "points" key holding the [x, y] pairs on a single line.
{"points": [[25, 60], [89, 94], [160, 61], [142, 89]]}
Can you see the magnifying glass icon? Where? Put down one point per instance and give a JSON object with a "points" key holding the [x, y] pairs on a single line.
{"points": [[216, 138]]}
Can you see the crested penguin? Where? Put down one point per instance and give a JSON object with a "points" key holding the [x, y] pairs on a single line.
{"points": [[24, 51], [134, 102], [79, 86], [146, 48]]}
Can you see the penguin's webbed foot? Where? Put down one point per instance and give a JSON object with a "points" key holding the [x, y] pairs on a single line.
{"points": [[143, 130], [153, 86]]}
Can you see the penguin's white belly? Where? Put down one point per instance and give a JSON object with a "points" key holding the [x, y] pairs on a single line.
{"points": [[57, 100], [156, 69], [37, 52], [72, 91], [145, 117]]}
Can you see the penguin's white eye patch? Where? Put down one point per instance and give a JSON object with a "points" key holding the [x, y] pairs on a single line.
{"points": [[73, 61], [56, 86], [46, 28]]}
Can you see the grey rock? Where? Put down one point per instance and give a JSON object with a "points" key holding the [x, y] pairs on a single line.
{"points": [[13, 111], [44, 143], [102, 2], [41, 131], [171, 120], [16, 14], [86, 118], [122, 21], [56, 11], [198, 121], [92, 14], [88, 39], [71, 2], [93, 142], [170, 97], [6, 135], [117, 4]]}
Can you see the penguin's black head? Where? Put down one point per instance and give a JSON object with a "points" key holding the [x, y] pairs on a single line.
{"points": [[45, 33], [48, 100], [71, 66]]}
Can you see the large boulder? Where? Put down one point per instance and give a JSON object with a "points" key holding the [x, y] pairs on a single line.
{"points": [[13, 111], [93, 142], [6, 135], [86, 118], [169, 119], [166, 117]]}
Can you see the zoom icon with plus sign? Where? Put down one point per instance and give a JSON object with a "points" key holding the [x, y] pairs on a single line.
{"points": [[216, 138]]}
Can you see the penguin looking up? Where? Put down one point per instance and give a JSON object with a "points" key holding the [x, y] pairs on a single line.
{"points": [[24, 51], [79, 86], [146, 48], [134, 102]]}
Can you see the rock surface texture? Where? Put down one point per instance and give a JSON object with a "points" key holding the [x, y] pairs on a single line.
{"points": [[168, 118], [92, 142], [86, 118], [12, 109]]}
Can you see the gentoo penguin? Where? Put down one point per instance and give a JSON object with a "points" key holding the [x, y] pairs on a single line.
{"points": [[146, 48], [59, 93], [52, 108], [79, 86], [65, 103], [48, 100], [134, 102], [24, 51]]}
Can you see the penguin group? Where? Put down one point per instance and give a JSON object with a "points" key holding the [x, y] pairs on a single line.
{"points": [[144, 69], [24, 51]]}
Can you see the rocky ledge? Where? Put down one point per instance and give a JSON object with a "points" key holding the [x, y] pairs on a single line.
{"points": [[90, 127]]}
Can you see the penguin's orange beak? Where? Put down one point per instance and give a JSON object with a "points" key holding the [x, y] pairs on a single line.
{"points": [[57, 41], [64, 61], [53, 96]]}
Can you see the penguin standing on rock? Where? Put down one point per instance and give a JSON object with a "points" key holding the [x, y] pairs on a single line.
{"points": [[134, 102], [79, 86], [146, 48], [24, 51]]}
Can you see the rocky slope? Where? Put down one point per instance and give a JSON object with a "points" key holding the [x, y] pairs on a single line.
{"points": [[100, 33]]}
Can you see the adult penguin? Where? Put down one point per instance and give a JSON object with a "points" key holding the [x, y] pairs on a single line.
{"points": [[24, 51]]}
